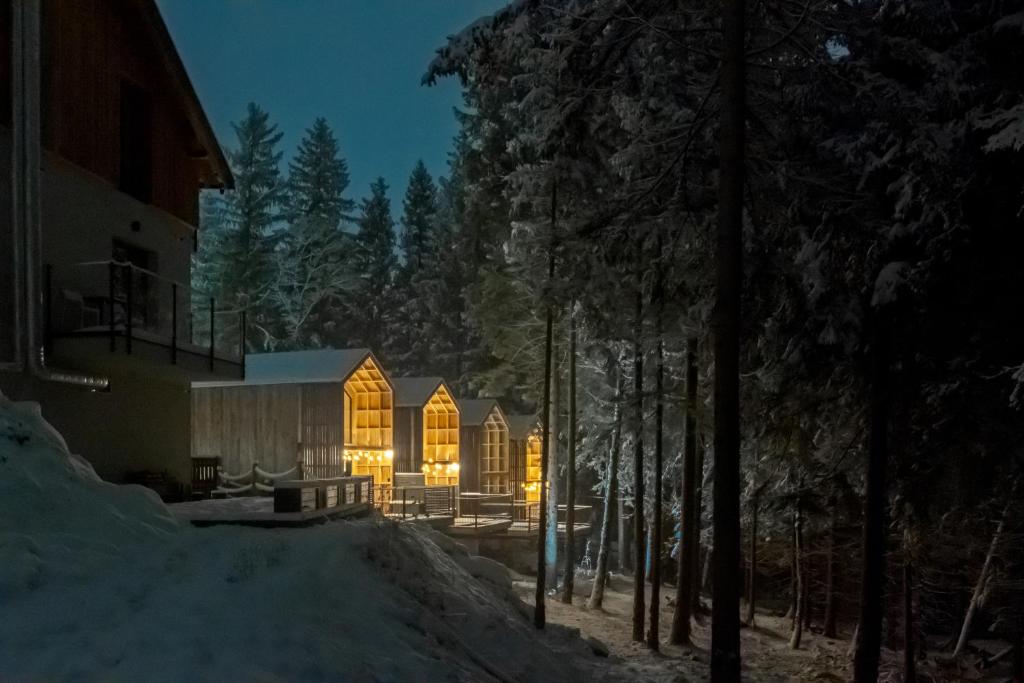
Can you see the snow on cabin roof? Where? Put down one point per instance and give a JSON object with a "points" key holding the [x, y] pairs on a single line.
{"points": [[415, 392], [299, 367], [520, 426], [473, 411]]}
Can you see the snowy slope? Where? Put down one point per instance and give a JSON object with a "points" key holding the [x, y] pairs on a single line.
{"points": [[100, 582]]}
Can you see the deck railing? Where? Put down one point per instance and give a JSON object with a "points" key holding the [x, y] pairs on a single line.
{"points": [[122, 301], [499, 506], [408, 502]]}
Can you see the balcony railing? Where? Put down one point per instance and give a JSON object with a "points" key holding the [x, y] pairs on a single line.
{"points": [[127, 303]]}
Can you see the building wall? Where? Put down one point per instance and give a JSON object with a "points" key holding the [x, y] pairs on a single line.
{"points": [[246, 424], [142, 423], [470, 439], [88, 48], [408, 440]]}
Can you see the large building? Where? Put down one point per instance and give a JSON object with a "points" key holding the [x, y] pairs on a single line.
{"points": [[104, 148]]}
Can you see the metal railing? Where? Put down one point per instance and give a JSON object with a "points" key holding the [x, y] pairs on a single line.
{"points": [[411, 502], [123, 301], [472, 503]]}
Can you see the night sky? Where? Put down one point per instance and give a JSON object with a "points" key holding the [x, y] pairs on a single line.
{"points": [[356, 62]]}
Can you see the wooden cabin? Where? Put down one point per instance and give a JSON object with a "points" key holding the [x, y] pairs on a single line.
{"points": [[525, 449], [484, 447], [104, 148], [331, 409], [426, 430]]}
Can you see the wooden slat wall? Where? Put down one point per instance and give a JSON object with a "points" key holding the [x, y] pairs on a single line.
{"points": [[243, 425], [517, 468], [404, 443], [88, 47], [469, 459], [323, 429], [5, 63]]}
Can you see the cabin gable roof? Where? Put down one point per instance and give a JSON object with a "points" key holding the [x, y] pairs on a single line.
{"points": [[415, 392], [473, 412], [320, 366], [521, 426]]}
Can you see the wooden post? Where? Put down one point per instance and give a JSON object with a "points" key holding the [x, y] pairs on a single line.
{"points": [[174, 323], [213, 308], [300, 469], [48, 309], [110, 305], [126, 271]]}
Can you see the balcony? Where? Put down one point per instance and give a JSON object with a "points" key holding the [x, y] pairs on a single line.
{"points": [[96, 309]]}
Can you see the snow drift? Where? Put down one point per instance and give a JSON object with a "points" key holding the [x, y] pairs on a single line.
{"points": [[99, 581]]}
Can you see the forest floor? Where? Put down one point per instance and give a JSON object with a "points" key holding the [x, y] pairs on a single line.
{"points": [[766, 653]]}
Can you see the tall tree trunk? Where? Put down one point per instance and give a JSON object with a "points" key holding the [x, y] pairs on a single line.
{"points": [[979, 587], [909, 664], [570, 486], [638, 466], [752, 579], [689, 548], [829, 630], [539, 616], [611, 488], [653, 634], [551, 535], [625, 545], [699, 576], [725, 620], [794, 586], [798, 620], [869, 628]]}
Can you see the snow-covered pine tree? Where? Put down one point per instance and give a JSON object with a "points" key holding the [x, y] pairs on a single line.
{"points": [[374, 265], [235, 262], [409, 347], [314, 275]]}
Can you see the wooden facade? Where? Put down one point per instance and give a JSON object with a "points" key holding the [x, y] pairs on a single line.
{"points": [[426, 430], [111, 79], [333, 410], [525, 448], [484, 447]]}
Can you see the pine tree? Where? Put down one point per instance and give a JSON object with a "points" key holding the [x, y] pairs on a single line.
{"points": [[314, 275], [374, 266], [418, 234], [235, 263], [410, 345], [318, 178]]}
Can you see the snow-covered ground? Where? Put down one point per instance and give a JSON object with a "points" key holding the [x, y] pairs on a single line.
{"points": [[100, 582]]}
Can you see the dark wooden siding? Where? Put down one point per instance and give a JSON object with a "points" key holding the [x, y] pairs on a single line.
{"points": [[517, 468], [469, 459], [408, 439], [5, 62], [88, 48], [272, 425]]}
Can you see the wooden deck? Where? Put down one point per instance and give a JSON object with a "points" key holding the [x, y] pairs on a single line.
{"points": [[478, 526], [523, 529], [440, 522], [259, 511]]}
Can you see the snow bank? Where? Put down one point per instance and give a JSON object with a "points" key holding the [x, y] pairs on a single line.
{"points": [[99, 582]]}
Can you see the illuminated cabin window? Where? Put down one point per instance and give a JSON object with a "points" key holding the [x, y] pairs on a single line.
{"points": [[441, 440], [533, 469], [494, 455], [368, 424]]}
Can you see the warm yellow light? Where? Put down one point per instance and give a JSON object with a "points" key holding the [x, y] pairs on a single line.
{"points": [[425, 468], [454, 467], [389, 454]]}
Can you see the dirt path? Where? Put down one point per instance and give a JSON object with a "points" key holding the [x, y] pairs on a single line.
{"points": [[766, 653]]}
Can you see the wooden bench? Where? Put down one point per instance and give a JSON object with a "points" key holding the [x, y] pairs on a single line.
{"points": [[204, 475]]}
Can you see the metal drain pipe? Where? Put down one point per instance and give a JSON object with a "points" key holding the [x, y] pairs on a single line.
{"points": [[26, 172]]}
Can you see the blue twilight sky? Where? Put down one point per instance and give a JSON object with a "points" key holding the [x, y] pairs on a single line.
{"points": [[358, 63]]}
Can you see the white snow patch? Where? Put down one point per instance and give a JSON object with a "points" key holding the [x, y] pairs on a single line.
{"points": [[889, 282], [99, 582]]}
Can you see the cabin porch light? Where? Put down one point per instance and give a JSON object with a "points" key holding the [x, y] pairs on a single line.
{"points": [[389, 455]]}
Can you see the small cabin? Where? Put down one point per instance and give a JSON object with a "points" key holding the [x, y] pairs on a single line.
{"points": [[331, 409], [525, 449], [484, 447], [426, 430]]}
